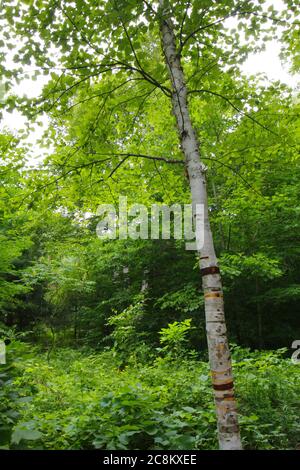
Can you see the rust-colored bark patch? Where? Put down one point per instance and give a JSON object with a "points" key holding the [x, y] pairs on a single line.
{"points": [[212, 295], [210, 270], [224, 386]]}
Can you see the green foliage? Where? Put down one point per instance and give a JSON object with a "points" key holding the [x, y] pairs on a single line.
{"points": [[25, 432], [13, 242], [121, 368], [83, 401], [56, 278], [174, 337], [10, 396], [128, 341], [256, 265], [267, 385], [186, 300]]}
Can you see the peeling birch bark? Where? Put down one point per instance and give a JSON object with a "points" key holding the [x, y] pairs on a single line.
{"points": [[219, 354]]}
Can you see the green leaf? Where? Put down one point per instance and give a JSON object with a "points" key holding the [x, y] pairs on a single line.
{"points": [[20, 434]]}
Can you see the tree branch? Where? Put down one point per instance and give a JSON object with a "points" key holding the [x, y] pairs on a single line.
{"points": [[230, 15], [240, 111]]}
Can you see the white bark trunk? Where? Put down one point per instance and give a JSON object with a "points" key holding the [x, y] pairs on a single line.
{"points": [[219, 355]]}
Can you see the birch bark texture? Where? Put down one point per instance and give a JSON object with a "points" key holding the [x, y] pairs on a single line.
{"points": [[219, 354]]}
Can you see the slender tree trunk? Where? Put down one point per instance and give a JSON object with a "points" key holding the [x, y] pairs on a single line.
{"points": [[219, 355], [259, 319]]}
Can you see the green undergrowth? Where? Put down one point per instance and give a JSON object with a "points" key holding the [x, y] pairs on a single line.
{"points": [[83, 400]]}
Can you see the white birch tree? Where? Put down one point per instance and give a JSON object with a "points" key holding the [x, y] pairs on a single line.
{"points": [[179, 49]]}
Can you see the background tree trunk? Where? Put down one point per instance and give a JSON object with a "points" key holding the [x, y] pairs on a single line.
{"points": [[219, 355]]}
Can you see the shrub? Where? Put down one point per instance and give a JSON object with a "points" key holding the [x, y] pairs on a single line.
{"points": [[83, 401]]}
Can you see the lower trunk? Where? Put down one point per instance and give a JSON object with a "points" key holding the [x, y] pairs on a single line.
{"points": [[219, 355]]}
